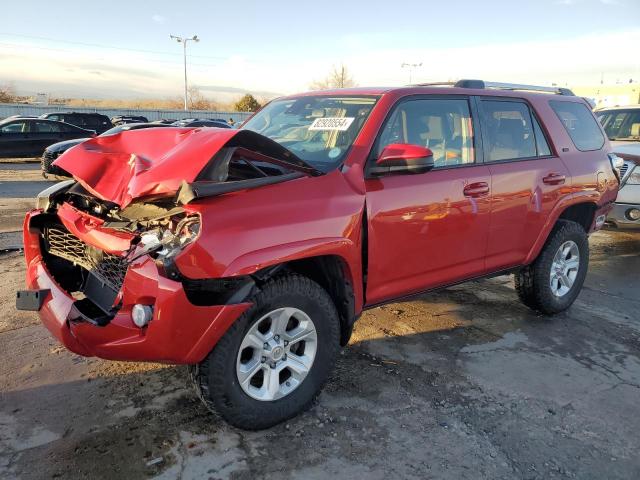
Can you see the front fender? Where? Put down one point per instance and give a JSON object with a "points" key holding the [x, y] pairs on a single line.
{"points": [[343, 248]]}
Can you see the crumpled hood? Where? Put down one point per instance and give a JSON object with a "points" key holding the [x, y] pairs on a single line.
{"points": [[131, 164]]}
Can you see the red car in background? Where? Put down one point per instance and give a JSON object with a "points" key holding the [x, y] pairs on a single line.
{"points": [[249, 254]]}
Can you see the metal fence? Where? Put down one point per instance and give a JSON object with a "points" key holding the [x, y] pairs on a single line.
{"points": [[9, 109]]}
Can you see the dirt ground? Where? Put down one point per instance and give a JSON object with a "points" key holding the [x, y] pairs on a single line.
{"points": [[464, 383]]}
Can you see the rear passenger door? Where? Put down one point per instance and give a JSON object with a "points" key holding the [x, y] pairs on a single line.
{"points": [[527, 178], [44, 134]]}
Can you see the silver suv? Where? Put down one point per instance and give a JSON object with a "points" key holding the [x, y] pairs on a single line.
{"points": [[622, 125]]}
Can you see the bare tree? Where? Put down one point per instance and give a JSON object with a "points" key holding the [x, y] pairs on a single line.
{"points": [[338, 78], [7, 94], [197, 101]]}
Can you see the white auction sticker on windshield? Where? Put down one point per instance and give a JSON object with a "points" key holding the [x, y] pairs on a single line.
{"points": [[339, 124]]}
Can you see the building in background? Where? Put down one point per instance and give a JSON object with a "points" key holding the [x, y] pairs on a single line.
{"points": [[610, 95]]}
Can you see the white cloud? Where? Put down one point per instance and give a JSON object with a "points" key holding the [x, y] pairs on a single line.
{"points": [[158, 19], [578, 60]]}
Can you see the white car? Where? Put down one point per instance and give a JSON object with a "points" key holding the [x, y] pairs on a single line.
{"points": [[622, 125]]}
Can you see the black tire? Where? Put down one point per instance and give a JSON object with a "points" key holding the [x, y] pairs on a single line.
{"points": [[533, 282], [215, 377]]}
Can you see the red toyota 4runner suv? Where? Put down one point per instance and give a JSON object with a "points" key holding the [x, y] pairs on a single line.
{"points": [[249, 254]]}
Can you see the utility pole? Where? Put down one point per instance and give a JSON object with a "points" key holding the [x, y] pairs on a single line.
{"points": [[184, 41], [411, 66]]}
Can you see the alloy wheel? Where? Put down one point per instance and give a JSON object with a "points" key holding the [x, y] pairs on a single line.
{"points": [[564, 268], [276, 354]]}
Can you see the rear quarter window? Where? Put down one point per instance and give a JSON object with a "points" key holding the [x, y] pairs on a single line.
{"points": [[580, 124]]}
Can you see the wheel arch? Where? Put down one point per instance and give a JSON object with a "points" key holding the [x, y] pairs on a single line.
{"points": [[333, 274], [580, 209]]}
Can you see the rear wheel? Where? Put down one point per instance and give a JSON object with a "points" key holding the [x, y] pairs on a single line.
{"points": [[275, 358], [553, 281]]}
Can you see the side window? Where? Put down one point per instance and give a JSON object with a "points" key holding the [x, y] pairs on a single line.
{"points": [[509, 130], [72, 120], [579, 123], [47, 127], [442, 125], [53, 117], [15, 127], [541, 142], [92, 122]]}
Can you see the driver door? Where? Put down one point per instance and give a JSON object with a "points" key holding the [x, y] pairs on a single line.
{"points": [[428, 229]]}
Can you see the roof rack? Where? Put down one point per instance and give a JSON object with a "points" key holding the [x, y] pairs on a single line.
{"points": [[481, 84]]}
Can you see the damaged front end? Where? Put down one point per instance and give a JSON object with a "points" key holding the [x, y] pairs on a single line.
{"points": [[95, 227], [104, 243], [88, 245]]}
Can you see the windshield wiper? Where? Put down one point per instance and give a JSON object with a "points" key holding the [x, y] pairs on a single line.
{"points": [[271, 152], [299, 166]]}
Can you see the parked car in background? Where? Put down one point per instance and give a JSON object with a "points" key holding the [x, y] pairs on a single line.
{"points": [[29, 137], [89, 121], [13, 117], [197, 122], [622, 126], [52, 152], [122, 119], [249, 254], [167, 121]]}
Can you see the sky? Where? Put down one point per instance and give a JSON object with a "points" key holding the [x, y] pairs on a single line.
{"points": [[121, 49]]}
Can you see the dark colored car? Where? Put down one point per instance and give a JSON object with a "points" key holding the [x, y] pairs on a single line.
{"points": [[89, 121], [122, 119], [165, 121], [197, 122], [28, 137], [13, 117], [52, 152], [249, 254]]}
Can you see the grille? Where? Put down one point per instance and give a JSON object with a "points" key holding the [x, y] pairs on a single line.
{"points": [[47, 160], [624, 169], [110, 269]]}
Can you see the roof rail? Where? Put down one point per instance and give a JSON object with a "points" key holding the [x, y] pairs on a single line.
{"points": [[434, 84], [481, 84], [511, 86]]}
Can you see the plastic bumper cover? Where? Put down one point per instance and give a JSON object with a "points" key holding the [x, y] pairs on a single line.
{"points": [[179, 331], [618, 216]]}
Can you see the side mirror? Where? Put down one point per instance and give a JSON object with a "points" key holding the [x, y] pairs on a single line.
{"points": [[403, 158]]}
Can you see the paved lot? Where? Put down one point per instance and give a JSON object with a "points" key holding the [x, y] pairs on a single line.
{"points": [[460, 384], [20, 182]]}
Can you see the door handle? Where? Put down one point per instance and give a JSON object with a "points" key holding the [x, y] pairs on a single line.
{"points": [[477, 189], [554, 179]]}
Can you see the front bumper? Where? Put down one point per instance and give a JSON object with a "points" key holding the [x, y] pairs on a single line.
{"points": [[179, 331], [618, 218]]}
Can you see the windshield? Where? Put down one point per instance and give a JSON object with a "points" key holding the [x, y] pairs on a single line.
{"points": [[319, 130], [621, 124], [112, 131]]}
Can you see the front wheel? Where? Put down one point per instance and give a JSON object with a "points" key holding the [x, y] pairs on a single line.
{"points": [[554, 280], [275, 358]]}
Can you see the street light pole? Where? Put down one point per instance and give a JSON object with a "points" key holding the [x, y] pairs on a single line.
{"points": [[411, 66], [184, 41]]}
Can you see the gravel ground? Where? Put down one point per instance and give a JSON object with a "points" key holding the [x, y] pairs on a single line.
{"points": [[464, 383]]}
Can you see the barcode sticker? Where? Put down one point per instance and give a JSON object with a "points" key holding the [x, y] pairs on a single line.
{"points": [[332, 123]]}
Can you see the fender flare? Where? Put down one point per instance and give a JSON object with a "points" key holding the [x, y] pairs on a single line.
{"points": [[251, 262], [576, 198]]}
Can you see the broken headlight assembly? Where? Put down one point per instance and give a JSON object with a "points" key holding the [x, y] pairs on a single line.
{"points": [[165, 241]]}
